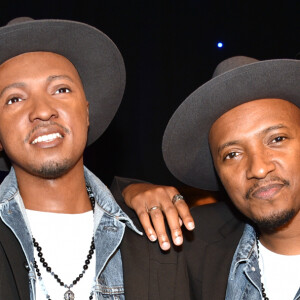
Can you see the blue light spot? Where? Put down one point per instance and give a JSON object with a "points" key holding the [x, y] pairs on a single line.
{"points": [[220, 45]]}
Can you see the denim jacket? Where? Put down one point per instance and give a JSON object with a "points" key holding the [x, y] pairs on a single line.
{"points": [[109, 227], [244, 281]]}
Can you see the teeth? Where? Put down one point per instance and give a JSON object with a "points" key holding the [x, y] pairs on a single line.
{"points": [[47, 138]]}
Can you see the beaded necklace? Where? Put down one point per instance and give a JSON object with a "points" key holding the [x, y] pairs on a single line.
{"points": [[69, 295]]}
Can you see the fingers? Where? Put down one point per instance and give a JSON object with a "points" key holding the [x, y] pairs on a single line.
{"points": [[174, 224], [153, 204], [175, 214], [164, 197], [147, 225], [143, 197], [158, 222], [155, 216], [184, 213], [157, 213]]}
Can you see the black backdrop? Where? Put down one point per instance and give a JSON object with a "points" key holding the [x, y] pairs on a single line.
{"points": [[169, 48]]}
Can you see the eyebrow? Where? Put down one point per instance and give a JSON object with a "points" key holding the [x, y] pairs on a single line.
{"points": [[231, 143], [13, 85], [262, 132], [279, 126], [56, 77]]}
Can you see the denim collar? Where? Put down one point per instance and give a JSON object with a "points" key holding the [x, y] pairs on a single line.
{"points": [[8, 187], [103, 196], [245, 247], [244, 277], [106, 201]]}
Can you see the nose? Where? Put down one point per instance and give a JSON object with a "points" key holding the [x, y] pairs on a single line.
{"points": [[260, 164], [42, 109]]}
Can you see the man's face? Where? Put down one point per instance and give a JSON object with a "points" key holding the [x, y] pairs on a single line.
{"points": [[43, 114], [256, 152]]}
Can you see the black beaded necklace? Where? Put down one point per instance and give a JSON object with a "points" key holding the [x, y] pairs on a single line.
{"points": [[263, 290], [69, 295]]}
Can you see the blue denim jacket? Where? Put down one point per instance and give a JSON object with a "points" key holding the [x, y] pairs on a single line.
{"points": [[244, 278], [109, 227]]}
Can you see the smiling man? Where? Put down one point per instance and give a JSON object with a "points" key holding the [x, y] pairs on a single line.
{"points": [[38, 143], [241, 130], [62, 235]]}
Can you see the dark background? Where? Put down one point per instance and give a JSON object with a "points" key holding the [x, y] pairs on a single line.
{"points": [[169, 48]]}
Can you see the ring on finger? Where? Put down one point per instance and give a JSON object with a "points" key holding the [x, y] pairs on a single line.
{"points": [[152, 208], [176, 198]]}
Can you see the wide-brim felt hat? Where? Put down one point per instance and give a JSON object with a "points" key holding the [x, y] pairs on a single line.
{"points": [[94, 55], [236, 80]]}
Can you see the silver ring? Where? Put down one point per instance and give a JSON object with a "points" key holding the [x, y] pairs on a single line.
{"points": [[176, 198], [152, 208]]}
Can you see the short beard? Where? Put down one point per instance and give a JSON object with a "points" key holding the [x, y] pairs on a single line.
{"points": [[53, 169], [275, 221]]}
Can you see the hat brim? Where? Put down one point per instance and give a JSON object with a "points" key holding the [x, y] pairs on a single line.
{"points": [[96, 58], [185, 143]]}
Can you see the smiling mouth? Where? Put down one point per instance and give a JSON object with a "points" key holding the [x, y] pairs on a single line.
{"points": [[47, 138]]}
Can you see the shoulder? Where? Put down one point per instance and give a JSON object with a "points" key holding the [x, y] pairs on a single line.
{"points": [[220, 212], [215, 221], [210, 247]]}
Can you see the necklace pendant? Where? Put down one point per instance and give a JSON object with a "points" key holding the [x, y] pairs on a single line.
{"points": [[69, 295]]}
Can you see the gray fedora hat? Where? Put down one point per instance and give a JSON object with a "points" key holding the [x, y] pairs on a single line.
{"points": [[235, 81], [94, 55]]}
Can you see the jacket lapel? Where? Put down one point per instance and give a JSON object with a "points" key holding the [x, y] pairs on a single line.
{"points": [[136, 267], [16, 260], [134, 251], [218, 259]]}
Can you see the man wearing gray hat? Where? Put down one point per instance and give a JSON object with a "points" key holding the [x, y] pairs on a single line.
{"points": [[241, 131], [62, 235], [244, 126]]}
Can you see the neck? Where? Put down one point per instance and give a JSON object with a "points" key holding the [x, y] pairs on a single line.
{"points": [[66, 194], [285, 240]]}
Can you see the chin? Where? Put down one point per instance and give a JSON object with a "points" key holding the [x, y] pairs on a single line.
{"points": [[52, 169], [274, 221]]}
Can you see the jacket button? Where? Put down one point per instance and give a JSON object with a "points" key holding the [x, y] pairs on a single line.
{"points": [[26, 266]]}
